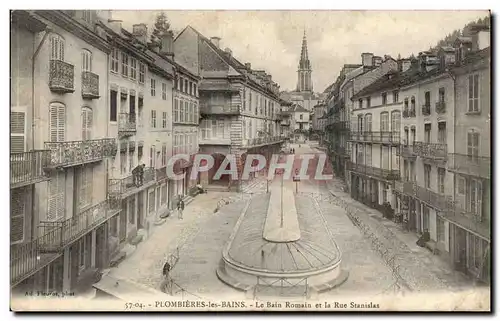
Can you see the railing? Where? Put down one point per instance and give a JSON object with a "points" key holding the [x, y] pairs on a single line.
{"points": [[387, 174], [376, 137], [412, 113], [262, 140], [440, 107], [120, 186], [430, 150], [405, 151], [426, 110], [62, 233], [127, 123], [211, 109], [90, 85], [406, 113], [61, 77], [471, 165], [72, 153], [433, 199], [161, 173], [27, 168]]}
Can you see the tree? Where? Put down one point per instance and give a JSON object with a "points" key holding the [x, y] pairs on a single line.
{"points": [[161, 27]]}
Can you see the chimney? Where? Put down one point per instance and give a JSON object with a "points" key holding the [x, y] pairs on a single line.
{"points": [[228, 51], [215, 41], [154, 46], [405, 64], [248, 66], [167, 44], [377, 61], [140, 31], [115, 25], [367, 59], [480, 37]]}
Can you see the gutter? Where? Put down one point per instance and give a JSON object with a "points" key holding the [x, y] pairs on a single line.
{"points": [[35, 54]]}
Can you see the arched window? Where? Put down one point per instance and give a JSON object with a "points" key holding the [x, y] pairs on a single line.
{"points": [[368, 122], [87, 121], [396, 121], [57, 45], [473, 143], [86, 60], [412, 105], [57, 122]]}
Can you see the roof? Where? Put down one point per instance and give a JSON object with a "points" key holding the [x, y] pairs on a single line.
{"points": [[299, 109], [217, 86], [387, 81]]}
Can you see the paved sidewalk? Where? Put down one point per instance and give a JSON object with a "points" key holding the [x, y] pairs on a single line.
{"points": [[420, 268]]}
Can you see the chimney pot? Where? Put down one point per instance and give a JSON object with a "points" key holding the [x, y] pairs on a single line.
{"points": [[228, 51], [248, 66], [215, 41], [139, 31], [367, 59]]}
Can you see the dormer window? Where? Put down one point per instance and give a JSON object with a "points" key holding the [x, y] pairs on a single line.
{"points": [[87, 16]]}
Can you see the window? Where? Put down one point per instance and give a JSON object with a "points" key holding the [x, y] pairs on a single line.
{"points": [[133, 68], [86, 60], [427, 175], [396, 121], [427, 96], [368, 122], [301, 116], [57, 122], [112, 105], [124, 64], [412, 105], [131, 210], [442, 132], [17, 214], [164, 120], [115, 60], [153, 87], [195, 112], [474, 196], [384, 122], [152, 156], [395, 96], [164, 91], [368, 151], [413, 135], [440, 229], [86, 123], [176, 110], [17, 131], [164, 154], [360, 103], [151, 203], [195, 90], [87, 16], [441, 177], [153, 119], [360, 158], [473, 105], [142, 72], [185, 86], [181, 111], [368, 102], [84, 248], [56, 197], [56, 48], [406, 104], [441, 95], [181, 84], [190, 88], [473, 143], [384, 98], [427, 133], [244, 94], [85, 186], [406, 137]]}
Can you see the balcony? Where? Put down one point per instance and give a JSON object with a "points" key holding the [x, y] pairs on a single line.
{"points": [[61, 77], [376, 137], [127, 125], [406, 151], [339, 125], [412, 113], [435, 151], [123, 187], [161, 174], [90, 85], [472, 221], [470, 165], [216, 109], [261, 141], [385, 174], [26, 259], [426, 110], [438, 201], [28, 167], [59, 234], [406, 113], [72, 153], [440, 107]]}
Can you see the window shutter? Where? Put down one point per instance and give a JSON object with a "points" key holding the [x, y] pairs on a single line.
{"points": [[17, 213], [479, 205], [60, 196], [52, 210], [57, 122], [87, 118], [17, 131]]}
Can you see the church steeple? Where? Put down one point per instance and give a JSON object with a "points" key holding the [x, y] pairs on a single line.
{"points": [[304, 82]]}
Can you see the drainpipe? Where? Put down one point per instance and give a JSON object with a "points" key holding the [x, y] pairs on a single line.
{"points": [[35, 54]]}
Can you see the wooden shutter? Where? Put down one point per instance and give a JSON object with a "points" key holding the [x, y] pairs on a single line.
{"points": [[17, 131], [56, 48], [56, 198], [87, 123], [17, 213], [57, 122]]}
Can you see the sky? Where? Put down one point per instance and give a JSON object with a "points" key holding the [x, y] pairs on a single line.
{"points": [[272, 40]]}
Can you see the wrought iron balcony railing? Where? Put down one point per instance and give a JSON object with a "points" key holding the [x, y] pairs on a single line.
{"points": [[438, 201], [59, 234], [430, 150], [440, 107], [426, 110], [27, 258], [121, 187], [387, 174], [376, 137], [28, 167], [61, 77], [215, 109], [161, 173], [71, 153], [470, 165], [405, 151], [90, 85], [127, 124]]}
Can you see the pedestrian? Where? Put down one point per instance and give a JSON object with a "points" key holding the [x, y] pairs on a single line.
{"points": [[166, 272], [136, 175], [180, 208]]}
